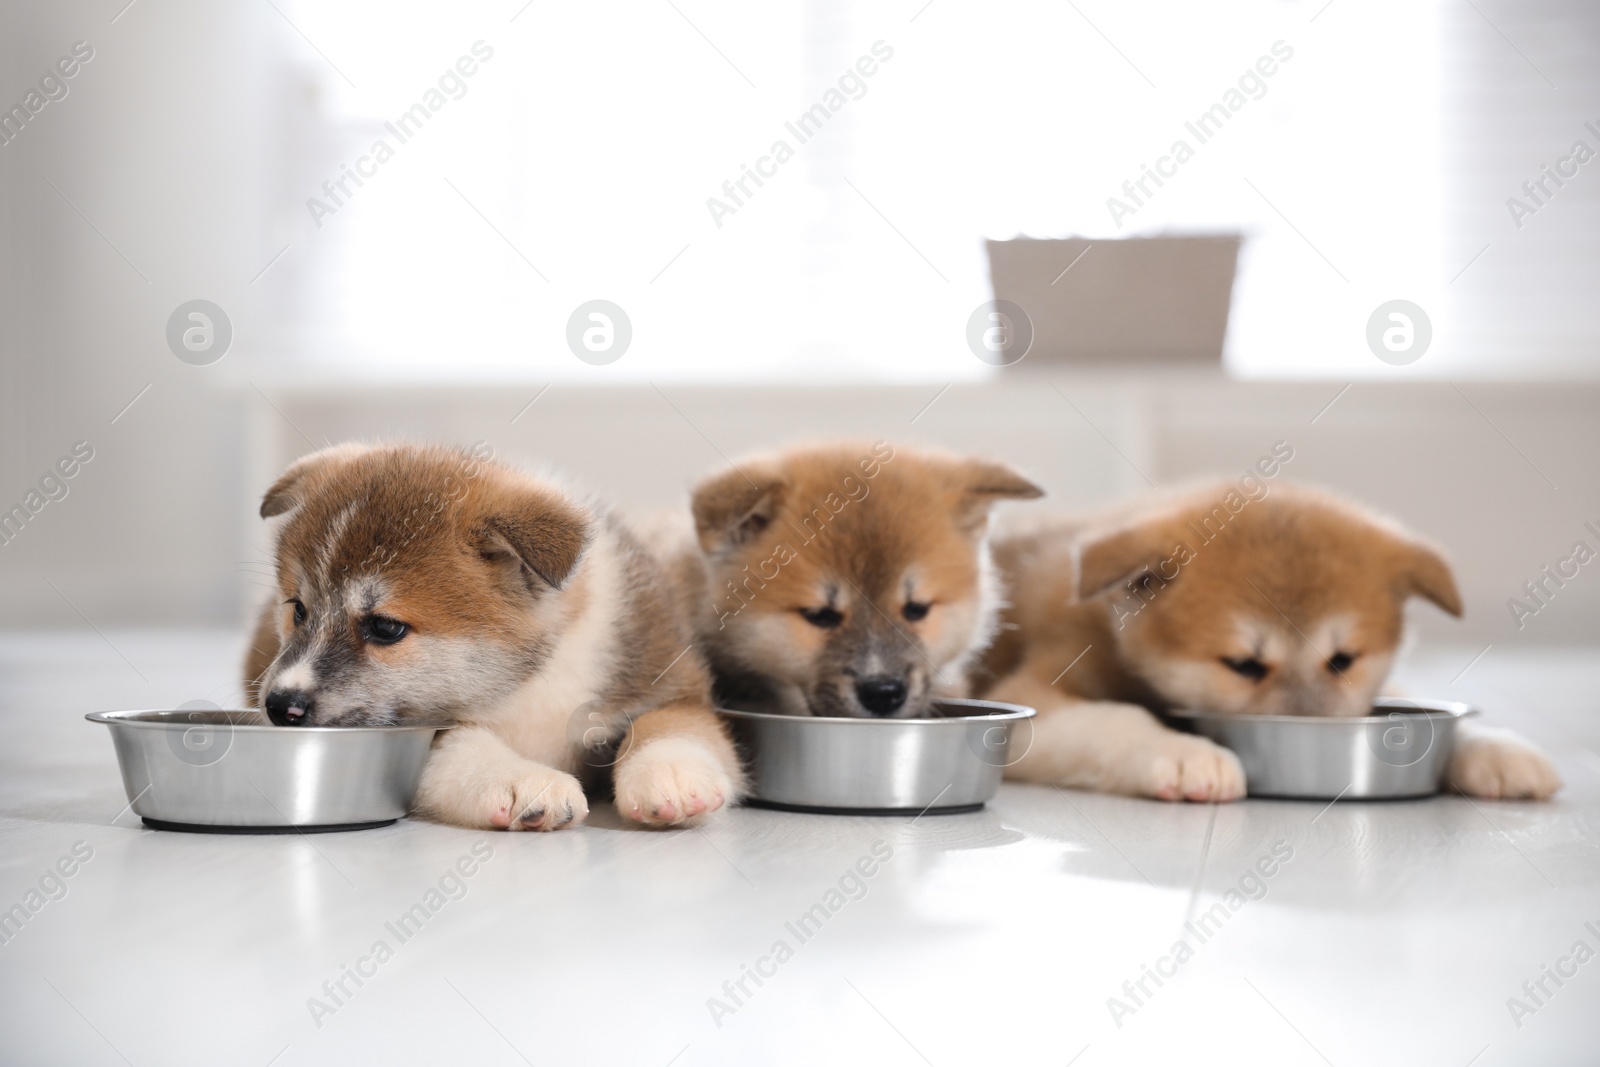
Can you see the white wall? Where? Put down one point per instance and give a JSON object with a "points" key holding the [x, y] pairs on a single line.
{"points": [[160, 147]]}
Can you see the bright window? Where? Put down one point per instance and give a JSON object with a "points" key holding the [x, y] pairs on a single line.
{"points": [[579, 162]]}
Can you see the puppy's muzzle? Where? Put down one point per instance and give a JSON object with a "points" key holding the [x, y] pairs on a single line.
{"points": [[881, 696], [290, 707]]}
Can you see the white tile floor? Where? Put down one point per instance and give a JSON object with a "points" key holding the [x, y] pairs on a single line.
{"points": [[1393, 934]]}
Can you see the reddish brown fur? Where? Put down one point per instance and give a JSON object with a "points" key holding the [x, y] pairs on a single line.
{"points": [[494, 573], [1146, 610], [863, 529], [1289, 560]]}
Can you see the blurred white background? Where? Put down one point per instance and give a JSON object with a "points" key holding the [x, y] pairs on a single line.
{"points": [[576, 163]]}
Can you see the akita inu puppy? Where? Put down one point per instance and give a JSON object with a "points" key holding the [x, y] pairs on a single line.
{"points": [[1229, 599], [428, 584], [848, 580]]}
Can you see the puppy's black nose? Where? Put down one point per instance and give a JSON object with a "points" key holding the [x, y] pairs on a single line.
{"points": [[289, 707], [881, 696]]}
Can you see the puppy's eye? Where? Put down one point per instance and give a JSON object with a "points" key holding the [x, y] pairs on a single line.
{"points": [[382, 630], [1340, 662], [915, 612], [299, 612], [824, 618], [1249, 667]]}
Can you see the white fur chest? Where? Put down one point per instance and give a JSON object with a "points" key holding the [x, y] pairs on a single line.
{"points": [[544, 718]]}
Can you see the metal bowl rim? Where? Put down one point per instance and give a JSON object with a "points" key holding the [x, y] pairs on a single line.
{"points": [[127, 718], [1429, 709], [1002, 713]]}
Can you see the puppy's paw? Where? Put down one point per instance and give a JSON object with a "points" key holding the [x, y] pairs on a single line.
{"points": [[1184, 767], [539, 798], [670, 782], [1502, 766]]}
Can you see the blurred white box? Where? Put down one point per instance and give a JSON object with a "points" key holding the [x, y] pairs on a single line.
{"points": [[1134, 301]]}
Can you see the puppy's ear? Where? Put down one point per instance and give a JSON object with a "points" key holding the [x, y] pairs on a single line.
{"points": [[1111, 558], [1425, 573], [736, 505], [291, 488], [541, 536], [984, 483]]}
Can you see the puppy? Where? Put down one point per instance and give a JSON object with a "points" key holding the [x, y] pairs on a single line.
{"points": [[1231, 599], [428, 584], [848, 580]]}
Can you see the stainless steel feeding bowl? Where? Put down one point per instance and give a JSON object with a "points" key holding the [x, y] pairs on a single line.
{"points": [[232, 772], [1401, 750], [948, 763]]}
